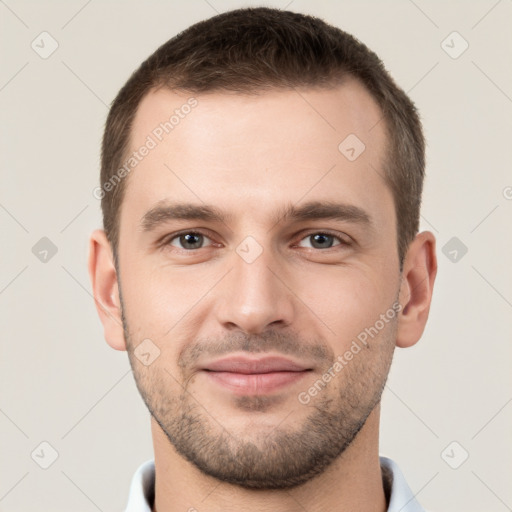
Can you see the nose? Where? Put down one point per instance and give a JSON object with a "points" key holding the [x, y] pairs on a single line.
{"points": [[255, 296]]}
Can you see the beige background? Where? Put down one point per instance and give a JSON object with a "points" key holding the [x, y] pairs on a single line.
{"points": [[61, 383]]}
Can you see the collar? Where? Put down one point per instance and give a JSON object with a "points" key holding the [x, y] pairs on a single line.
{"points": [[401, 498]]}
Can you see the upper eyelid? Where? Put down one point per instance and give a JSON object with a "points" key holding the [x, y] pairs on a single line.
{"points": [[200, 231]]}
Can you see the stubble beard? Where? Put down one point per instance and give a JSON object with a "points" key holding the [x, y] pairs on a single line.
{"points": [[283, 457]]}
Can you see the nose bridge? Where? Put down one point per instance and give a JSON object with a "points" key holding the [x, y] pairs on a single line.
{"points": [[253, 295]]}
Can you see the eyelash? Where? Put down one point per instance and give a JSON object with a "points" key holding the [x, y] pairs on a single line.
{"points": [[166, 243]]}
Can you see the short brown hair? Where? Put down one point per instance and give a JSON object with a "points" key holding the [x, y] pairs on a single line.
{"points": [[254, 49]]}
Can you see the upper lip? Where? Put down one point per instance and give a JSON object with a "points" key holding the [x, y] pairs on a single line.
{"points": [[248, 365]]}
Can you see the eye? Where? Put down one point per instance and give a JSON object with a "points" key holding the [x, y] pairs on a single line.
{"points": [[321, 240], [189, 240]]}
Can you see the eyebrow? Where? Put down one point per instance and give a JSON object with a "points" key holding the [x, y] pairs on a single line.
{"points": [[165, 211]]}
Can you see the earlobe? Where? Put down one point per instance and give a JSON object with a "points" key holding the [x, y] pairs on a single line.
{"points": [[105, 287], [418, 276]]}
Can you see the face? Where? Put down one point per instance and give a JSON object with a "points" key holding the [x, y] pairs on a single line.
{"points": [[258, 261]]}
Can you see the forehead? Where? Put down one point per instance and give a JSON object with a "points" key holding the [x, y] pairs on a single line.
{"points": [[250, 152], [332, 113]]}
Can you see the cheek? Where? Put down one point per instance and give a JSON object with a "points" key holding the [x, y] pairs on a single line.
{"points": [[345, 301], [160, 300], [149, 301]]}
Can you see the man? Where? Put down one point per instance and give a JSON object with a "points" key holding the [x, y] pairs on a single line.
{"points": [[261, 183]]}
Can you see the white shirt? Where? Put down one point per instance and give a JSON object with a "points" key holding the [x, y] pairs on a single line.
{"points": [[142, 489]]}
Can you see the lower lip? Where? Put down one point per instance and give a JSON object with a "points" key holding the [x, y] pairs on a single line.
{"points": [[255, 383]]}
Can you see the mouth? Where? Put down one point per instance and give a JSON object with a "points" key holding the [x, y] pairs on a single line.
{"points": [[248, 376]]}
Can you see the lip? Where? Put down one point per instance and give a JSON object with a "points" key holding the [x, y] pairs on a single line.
{"points": [[248, 376], [248, 365]]}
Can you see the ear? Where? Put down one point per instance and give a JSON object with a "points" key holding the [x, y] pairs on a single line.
{"points": [[418, 276], [105, 288]]}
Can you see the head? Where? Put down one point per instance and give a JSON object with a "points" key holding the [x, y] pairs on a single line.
{"points": [[261, 186]]}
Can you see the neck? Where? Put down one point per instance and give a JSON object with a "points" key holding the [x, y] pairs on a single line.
{"points": [[352, 482]]}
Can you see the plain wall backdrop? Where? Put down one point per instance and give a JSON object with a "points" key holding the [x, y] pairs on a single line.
{"points": [[447, 398]]}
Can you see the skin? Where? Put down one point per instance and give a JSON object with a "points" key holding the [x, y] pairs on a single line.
{"points": [[250, 156]]}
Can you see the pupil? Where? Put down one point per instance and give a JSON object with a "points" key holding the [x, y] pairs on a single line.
{"points": [[189, 239], [321, 239]]}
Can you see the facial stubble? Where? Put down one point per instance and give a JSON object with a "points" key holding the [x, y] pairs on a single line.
{"points": [[285, 456]]}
